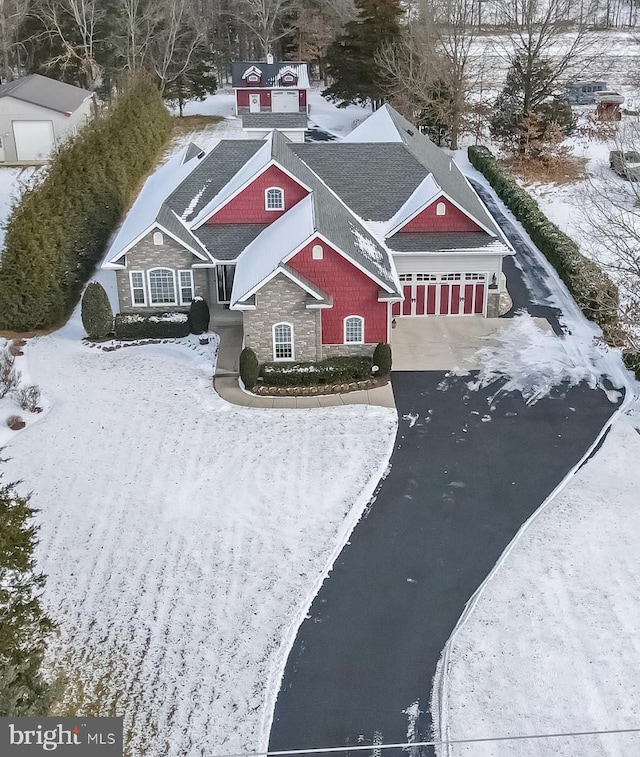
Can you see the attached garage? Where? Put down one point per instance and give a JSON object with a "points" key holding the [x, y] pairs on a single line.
{"points": [[34, 140], [442, 294], [283, 101]]}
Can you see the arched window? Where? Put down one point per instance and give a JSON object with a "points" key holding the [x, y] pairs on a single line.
{"points": [[162, 286], [283, 341], [354, 329], [317, 253], [441, 209], [274, 198], [157, 237]]}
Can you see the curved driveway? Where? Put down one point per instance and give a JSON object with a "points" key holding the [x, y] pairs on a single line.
{"points": [[464, 477]]}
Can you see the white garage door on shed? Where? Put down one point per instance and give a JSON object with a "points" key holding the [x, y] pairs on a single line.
{"points": [[34, 139], [284, 102]]}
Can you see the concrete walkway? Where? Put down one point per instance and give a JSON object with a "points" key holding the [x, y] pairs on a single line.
{"points": [[227, 387], [225, 382]]}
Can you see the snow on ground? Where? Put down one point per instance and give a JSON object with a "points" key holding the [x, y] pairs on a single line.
{"points": [[183, 538], [12, 181], [553, 644]]}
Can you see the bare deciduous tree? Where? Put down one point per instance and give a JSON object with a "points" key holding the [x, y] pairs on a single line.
{"points": [[266, 19], [12, 14]]}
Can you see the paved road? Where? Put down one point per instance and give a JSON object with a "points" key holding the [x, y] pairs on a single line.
{"points": [[463, 479]]}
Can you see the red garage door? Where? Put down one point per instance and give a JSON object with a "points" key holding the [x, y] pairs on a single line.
{"points": [[443, 294]]}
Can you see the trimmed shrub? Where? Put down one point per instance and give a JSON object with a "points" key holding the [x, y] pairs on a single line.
{"points": [[199, 316], [382, 359], [151, 325], [97, 316], [592, 289], [334, 370], [249, 368], [58, 231]]}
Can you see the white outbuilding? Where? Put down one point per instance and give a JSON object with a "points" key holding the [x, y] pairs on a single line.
{"points": [[37, 114]]}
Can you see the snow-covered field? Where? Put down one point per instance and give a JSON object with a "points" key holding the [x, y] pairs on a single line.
{"points": [[183, 538], [553, 644]]}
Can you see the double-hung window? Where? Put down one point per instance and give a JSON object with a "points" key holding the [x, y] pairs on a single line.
{"points": [[136, 280], [186, 287]]}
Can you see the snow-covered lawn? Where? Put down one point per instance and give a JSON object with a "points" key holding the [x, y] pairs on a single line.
{"points": [[183, 538], [553, 644]]}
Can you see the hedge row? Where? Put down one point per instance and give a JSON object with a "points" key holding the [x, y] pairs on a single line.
{"points": [[151, 325], [334, 370], [58, 231], [592, 289]]}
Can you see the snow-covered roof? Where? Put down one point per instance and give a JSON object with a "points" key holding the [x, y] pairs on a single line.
{"points": [[378, 127], [149, 211], [270, 73], [422, 195], [263, 256], [254, 165]]}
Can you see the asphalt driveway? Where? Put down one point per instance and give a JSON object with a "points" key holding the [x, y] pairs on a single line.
{"points": [[465, 475]]}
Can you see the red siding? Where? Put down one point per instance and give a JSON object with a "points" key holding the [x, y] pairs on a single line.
{"points": [[353, 293], [242, 97], [248, 206], [453, 220]]}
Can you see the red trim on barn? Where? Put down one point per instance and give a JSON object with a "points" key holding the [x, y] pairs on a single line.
{"points": [[428, 220], [353, 293], [249, 205]]}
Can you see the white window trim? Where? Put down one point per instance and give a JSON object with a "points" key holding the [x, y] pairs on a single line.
{"points": [[144, 290], [175, 290], [193, 291], [344, 329], [273, 342], [266, 195], [441, 208], [158, 235]]}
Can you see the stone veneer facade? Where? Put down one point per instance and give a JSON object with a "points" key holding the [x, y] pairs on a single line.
{"points": [[146, 255], [282, 301]]}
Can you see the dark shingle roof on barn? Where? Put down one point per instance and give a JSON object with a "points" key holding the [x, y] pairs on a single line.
{"points": [[274, 121], [269, 72], [45, 92]]}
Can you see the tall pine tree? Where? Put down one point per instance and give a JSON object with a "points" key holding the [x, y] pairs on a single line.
{"points": [[351, 63], [23, 626]]}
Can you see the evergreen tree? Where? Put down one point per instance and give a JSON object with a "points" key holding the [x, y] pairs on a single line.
{"points": [[190, 77], [23, 626], [355, 76], [97, 316], [526, 114]]}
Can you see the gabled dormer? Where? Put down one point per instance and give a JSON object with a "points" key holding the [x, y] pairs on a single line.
{"points": [[288, 77], [252, 76]]}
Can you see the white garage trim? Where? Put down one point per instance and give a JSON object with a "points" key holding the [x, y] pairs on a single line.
{"points": [[429, 294], [283, 101], [34, 140]]}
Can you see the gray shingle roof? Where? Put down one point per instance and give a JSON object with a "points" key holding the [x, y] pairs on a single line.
{"points": [[435, 241], [445, 171], [333, 220], [270, 72], [274, 121], [373, 179], [211, 175], [167, 218], [225, 241], [48, 93]]}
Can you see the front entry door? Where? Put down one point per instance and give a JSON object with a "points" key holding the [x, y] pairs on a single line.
{"points": [[254, 103], [224, 280]]}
